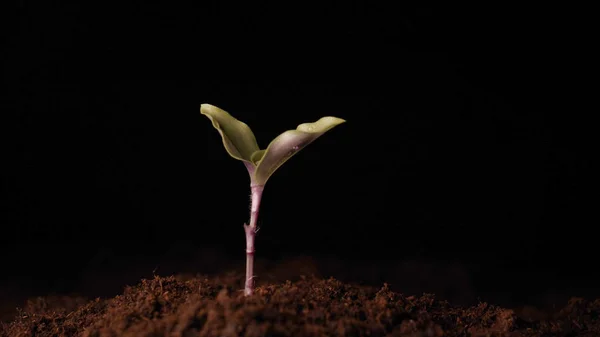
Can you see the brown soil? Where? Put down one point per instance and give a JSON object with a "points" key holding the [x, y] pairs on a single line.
{"points": [[215, 306]]}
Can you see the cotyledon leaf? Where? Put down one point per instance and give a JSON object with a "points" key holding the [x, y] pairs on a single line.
{"points": [[238, 138], [240, 142], [287, 144]]}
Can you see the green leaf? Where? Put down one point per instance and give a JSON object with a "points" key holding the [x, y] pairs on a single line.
{"points": [[240, 143], [257, 156], [238, 138], [287, 144]]}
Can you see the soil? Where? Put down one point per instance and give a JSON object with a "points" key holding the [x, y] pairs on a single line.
{"points": [[311, 306]]}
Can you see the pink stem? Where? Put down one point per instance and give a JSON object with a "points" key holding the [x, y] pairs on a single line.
{"points": [[251, 230]]}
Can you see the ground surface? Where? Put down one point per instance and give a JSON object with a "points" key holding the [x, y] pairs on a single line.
{"points": [[215, 306]]}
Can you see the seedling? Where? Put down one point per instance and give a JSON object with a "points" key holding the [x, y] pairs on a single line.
{"points": [[241, 144]]}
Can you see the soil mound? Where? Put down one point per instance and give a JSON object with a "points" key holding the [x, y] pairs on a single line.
{"points": [[201, 306]]}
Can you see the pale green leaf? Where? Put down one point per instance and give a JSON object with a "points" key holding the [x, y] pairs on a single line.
{"points": [[257, 156], [287, 144], [238, 138]]}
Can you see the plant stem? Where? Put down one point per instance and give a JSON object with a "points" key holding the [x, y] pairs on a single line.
{"points": [[251, 230]]}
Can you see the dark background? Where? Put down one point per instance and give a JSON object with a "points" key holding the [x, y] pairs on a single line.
{"points": [[464, 167]]}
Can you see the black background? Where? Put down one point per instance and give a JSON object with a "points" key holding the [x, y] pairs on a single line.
{"points": [[467, 143]]}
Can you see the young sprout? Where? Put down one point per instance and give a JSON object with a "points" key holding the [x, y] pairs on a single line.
{"points": [[241, 144]]}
